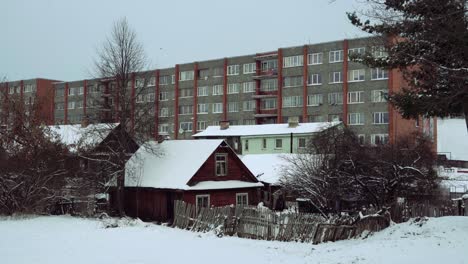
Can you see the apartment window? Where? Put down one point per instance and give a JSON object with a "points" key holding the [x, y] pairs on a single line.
{"points": [[292, 101], [202, 108], [380, 118], [336, 56], [186, 92], [379, 52], [186, 75], [293, 61], [185, 109], [246, 144], [336, 77], [268, 104], [71, 105], [218, 72], [80, 90], [250, 68], [164, 112], [18, 89], [221, 164], [140, 98], [201, 125], [379, 74], [202, 91], [27, 88], [233, 70], [203, 201], [249, 122], [316, 118], [173, 79], [315, 58], [357, 51], [335, 98], [334, 118], [165, 79], [59, 106], [216, 123], [379, 96], [217, 89], [71, 91], [248, 105], [379, 139], [315, 79], [79, 104], [279, 143], [233, 107], [152, 81], [163, 128], [356, 118], [292, 81], [186, 126], [356, 75], [163, 96], [361, 139], [314, 99], [264, 143], [203, 74], [12, 90], [150, 97], [301, 142], [233, 88], [268, 85], [248, 87], [269, 66], [242, 199], [355, 97], [217, 108]]}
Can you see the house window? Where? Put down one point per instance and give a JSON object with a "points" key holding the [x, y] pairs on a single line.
{"points": [[242, 199], [201, 125], [292, 101], [71, 105], [315, 58], [264, 143], [164, 112], [11, 90], [379, 139], [315, 79], [163, 96], [379, 96], [361, 139], [314, 99], [218, 72], [355, 97], [379, 74], [186, 92], [250, 68], [150, 97], [301, 142], [233, 88], [71, 91], [270, 66], [202, 108], [279, 143], [249, 122], [217, 108], [246, 145], [381, 118], [356, 118], [221, 164], [335, 98], [292, 81], [202, 91], [379, 52], [248, 105], [293, 61], [267, 104], [202, 201], [268, 85], [336, 56], [316, 118], [356, 75], [152, 81], [217, 89], [233, 107], [186, 76], [357, 51], [186, 126], [165, 80], [336, 77], [233, 70], [163, 128], [80, 90], [79, 104], [248, 87], [203, 74], [140, 98], [185, 109]]}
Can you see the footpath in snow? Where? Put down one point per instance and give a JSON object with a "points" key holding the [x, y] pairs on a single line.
{"points": [[68, 240]]}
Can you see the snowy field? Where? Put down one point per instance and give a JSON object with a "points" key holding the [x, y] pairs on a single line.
{"points": [[68, 240]]}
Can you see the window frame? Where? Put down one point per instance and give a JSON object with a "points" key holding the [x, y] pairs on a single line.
{"points": [[223, 163], [243, 195], [310, 58]]}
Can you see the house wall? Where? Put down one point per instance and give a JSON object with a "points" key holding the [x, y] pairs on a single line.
{"points": [[255, 145], [223, 197]]}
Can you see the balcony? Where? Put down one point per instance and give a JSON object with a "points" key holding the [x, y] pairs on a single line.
{"points": [[266, 113], [266, 56], [266, 74], [265, 94]]}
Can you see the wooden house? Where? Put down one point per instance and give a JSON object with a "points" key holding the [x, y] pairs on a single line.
{"points": [[201, 172]]}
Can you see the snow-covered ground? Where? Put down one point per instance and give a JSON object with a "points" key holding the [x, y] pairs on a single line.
{"points": [[72, 240]]}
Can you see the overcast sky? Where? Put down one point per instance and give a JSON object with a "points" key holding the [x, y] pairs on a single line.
{"points": [[57, 39]]}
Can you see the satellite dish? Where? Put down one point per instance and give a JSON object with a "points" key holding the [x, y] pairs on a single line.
{"points": [[181, 131]]}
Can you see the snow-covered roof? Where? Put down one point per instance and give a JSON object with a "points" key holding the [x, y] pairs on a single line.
{"points": [[452, 138], [172, 163], [267, 129], [266, 167], [77, 135]]}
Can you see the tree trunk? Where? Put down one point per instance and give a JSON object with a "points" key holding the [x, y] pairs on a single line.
{"points": [[465, 112]]}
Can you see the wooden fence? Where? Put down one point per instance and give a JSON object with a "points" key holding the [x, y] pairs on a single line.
{"points": [[262, 223], [404, 211]]}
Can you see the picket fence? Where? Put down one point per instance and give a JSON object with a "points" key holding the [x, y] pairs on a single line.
{"points": [[262, 223]]}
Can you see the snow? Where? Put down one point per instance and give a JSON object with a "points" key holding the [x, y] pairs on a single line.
{"points": [[216, 185], [266, 167], [452, 138], [267, 129], [75, 135], [57, 240]]}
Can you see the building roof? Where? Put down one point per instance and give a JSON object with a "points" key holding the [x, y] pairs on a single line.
{"points": [[75, 136], [172, 163], [266, 167], [267, 129]]}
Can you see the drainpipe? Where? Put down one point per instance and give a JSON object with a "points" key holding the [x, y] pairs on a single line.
{"points": [[291, 143]]}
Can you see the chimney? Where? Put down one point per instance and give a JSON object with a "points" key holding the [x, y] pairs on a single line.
{"points": [[84, 121], [223, 125], [293, 121]]}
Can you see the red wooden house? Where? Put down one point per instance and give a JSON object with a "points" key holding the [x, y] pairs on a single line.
{"points": [[202, 172]]}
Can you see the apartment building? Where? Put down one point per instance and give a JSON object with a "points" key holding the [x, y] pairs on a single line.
{"points": [[314, 83], [32, 91]]}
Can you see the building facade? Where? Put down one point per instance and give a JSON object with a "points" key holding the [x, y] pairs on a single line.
{"points": [[315, 83]]}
